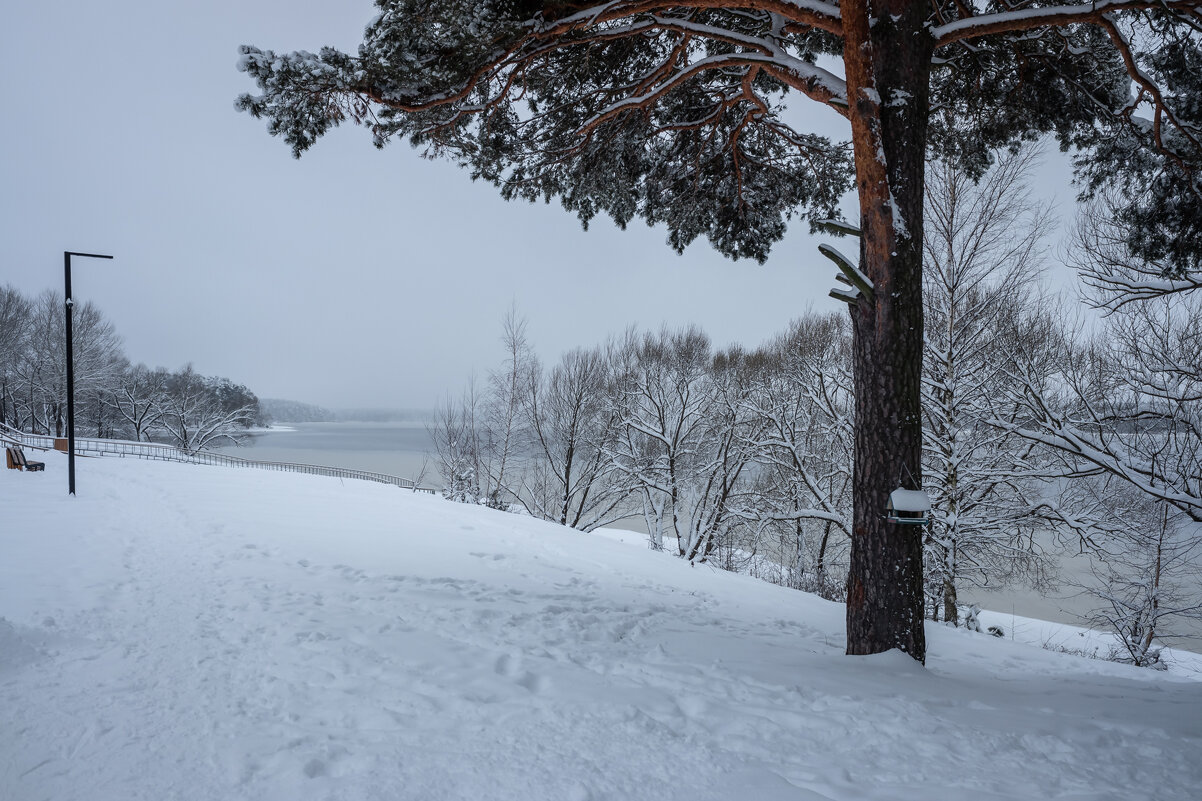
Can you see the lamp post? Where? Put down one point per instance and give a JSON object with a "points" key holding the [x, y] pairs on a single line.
{"points": [[67, 254]]}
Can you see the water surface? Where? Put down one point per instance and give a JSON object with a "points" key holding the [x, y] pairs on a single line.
{"points": [[398, 449]]}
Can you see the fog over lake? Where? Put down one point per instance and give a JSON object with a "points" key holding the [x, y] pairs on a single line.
{"points": [[398, 449]]}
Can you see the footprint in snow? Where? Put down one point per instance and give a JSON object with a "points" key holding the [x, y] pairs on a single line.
{"points": [[534, 682], [508, 665], [691, 706], [579, 793]]}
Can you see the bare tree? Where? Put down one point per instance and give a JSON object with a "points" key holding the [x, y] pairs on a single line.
{"points": [[982, 258], [804, 450], [112, 398], [140, 400], [504, 434], [456, 446], [1121, 405], [684, 438], [15, 313], [663, 400], [95, 413], [1126, 401], [1145, 573], [572, 424], [193, 416], [41, 369], [1114, 278], [717, 492]]}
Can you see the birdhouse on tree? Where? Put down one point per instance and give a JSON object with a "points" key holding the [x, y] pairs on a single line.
{"points": [[908, 507]]}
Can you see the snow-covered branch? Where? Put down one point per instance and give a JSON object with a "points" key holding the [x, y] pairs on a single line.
{"points": [[1025, 19]]}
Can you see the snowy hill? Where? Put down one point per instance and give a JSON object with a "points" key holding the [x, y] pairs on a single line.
{"points": [[186, 632]]}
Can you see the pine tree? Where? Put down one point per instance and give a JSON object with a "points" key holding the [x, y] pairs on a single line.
{"points": [[676, 113]]}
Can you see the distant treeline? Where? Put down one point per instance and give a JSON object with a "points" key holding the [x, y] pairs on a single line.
{"points": [[279, 410], [114, 399], [385, 415]]}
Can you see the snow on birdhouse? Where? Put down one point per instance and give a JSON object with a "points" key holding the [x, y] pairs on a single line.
{"points": [[908, 507]]}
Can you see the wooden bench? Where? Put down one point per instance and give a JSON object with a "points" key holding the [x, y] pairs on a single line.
{"points": [[15, 457]]}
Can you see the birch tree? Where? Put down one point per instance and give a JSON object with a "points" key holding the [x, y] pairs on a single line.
{"points": [[504, 431], [983, 249]]}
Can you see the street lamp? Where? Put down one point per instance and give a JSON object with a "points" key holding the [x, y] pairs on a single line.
{"points": [[67, 254]]}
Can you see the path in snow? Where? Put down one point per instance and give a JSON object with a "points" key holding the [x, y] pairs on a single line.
{"points": [[203, 633]]}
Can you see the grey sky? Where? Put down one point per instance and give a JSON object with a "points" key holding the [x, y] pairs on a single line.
{"points": [[351, 277]]}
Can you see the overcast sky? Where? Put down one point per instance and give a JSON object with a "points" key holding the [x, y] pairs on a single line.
{"points": [[352, 277]]}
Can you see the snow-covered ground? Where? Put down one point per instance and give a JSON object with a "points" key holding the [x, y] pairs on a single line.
{"points": [[189, 632]]}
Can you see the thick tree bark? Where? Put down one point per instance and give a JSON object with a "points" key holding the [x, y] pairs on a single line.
{"points": [[887, 65]]}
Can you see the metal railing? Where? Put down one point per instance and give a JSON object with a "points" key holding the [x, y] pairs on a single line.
{"points": [[170, 453]]}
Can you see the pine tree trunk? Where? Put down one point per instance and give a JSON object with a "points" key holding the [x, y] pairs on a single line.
{"points": [[887, 67]]}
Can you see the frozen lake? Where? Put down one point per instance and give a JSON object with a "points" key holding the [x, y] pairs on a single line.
{"points": [[397, 449]]}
